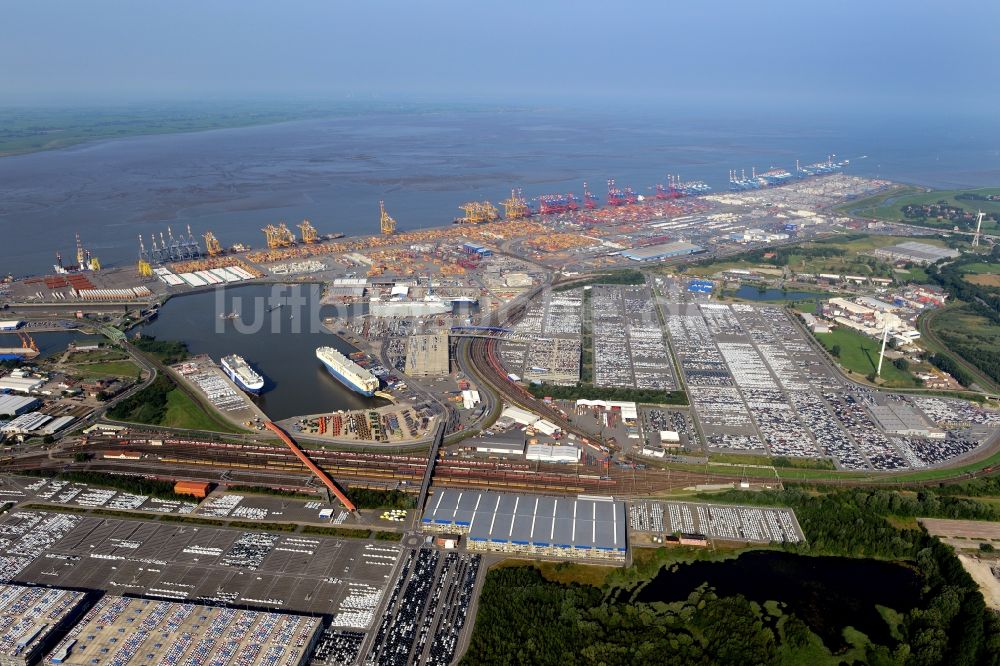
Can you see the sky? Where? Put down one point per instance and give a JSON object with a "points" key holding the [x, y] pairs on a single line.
{"points": [[752, 52]]}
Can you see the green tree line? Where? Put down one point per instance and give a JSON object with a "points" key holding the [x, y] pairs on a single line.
{"points": [[588, 392]]}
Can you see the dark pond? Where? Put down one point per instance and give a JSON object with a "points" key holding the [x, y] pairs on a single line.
{"points": [[751, 293], [828, 593]]}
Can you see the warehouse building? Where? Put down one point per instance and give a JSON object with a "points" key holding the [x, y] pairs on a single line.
{"points": [[918, 253], [510, 444], [31, 619], [583, 526], [553, 453], [56, 424], [899, 418], [662, 251], [15, 405], [629, 410], [427, 355], [21, 384], [25, 423], [126, 632]]}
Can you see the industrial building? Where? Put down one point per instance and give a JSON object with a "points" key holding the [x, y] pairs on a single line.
{"points": [[553, 453], [31, 619], [629, 410], [583, 526], [125, 631], [915, 252], [55, 425], [20, 384], [427, 355], [506, 444], [11, 325], [899, 418], [662, 251], [15, 405], [700, 286], [25, 423]]}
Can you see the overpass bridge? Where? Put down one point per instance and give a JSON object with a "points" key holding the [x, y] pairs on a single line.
{"points": [[490, 333], [320, 474]]}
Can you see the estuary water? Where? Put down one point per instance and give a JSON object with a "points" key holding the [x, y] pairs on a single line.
{"points": [[424, 163]]}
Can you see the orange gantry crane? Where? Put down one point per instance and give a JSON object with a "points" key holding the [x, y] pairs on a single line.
{"points": [[212, 245], [515, 208], [309, 233], [27, 342], [278, 236], [478, 211], [320, 474], [386, 222]]}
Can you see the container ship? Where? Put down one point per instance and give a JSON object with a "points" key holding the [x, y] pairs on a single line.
{"points": [[240, 372], [347, 372]]}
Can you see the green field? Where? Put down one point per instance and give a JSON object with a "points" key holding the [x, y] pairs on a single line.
{"points": [[109, 354], [970, 335], [859, 353], [91, 371], [981, 268], [164, 403], [888, 205], [183, 412], [844, 255]]}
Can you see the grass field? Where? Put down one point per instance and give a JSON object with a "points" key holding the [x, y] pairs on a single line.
{"points": [[981, 268], [108, 369], [982, 273], [888, 205], [859, 353], [97, 355], [853, 261], [183, 412], [972, 336]]}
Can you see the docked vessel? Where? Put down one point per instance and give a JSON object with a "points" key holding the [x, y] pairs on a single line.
{"points": [[347, 372], [240, 372]]}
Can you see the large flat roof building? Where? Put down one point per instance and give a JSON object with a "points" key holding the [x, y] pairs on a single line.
{"points": [[582, 526], [133, 632], [30, 620], [21, 384], [918, 253], [427, 355], [507, 444], [15, 405], [662, 251], [25, 423]]}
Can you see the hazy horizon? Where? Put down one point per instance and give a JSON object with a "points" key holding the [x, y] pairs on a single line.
{"points": [[878, 56]]}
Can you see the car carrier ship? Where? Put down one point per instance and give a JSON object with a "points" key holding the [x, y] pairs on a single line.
{"points": [[347, 372], [242, 374]]}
